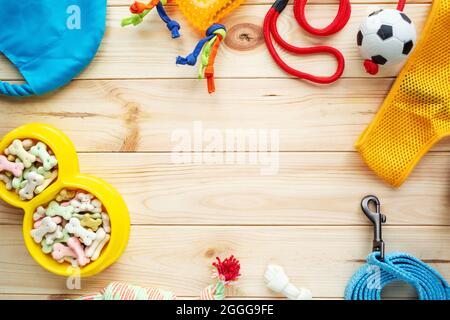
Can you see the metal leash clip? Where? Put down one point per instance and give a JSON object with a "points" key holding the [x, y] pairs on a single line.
{"points": [[377, 218]]}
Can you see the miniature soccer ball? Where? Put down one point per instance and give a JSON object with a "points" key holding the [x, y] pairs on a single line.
{"points": [[385, 37]]}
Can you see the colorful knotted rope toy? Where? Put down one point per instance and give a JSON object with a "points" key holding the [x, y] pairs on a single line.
{"points": [[208, 47], [204, 15], [226, 273], [140, 10]]}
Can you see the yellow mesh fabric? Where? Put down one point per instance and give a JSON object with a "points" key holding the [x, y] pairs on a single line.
{"points": [[204, 13], [416, 113]]}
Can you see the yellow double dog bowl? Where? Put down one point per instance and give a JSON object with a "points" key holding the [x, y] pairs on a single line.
{"points": [[69, 177]]}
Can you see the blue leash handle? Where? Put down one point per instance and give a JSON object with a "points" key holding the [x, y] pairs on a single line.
{"points": [[368, 282], [16, 90]]}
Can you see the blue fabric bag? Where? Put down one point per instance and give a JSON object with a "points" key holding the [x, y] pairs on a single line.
{"points": [[49, 41]]}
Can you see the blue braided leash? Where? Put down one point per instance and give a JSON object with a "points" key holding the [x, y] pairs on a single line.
{"points": [[16, 90], [368, 282]]}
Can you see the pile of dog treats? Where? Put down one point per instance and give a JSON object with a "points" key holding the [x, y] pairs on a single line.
{"points": [[72, 228], [28, 167]]}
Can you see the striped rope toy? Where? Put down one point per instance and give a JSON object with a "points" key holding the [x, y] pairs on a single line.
{"points": [[226, 274], [125, 291]]}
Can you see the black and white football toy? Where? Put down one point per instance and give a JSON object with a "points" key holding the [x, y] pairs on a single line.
{"points": [[387, 36]]}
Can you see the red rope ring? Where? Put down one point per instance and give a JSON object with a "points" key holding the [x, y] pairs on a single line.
{"points": [[271, 30]]}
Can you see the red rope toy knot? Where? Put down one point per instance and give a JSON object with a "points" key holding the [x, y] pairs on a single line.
{"points": [[271, 30], [371, 67], [227, 270], [139, 7]]}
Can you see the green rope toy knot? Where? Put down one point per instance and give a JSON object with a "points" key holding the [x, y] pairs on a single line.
{"points": [[206, 52]]}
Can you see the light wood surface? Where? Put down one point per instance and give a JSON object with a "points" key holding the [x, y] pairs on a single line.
{"points": [[177, 257], [121, 114], [149, 52]]}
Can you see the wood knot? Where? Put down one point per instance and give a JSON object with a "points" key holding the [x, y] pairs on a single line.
{"points": [[244, 37], [132, 112], [210, 253], [131, 119]]}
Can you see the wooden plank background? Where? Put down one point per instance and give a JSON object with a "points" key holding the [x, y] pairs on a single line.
{"points": [[121, 113]]}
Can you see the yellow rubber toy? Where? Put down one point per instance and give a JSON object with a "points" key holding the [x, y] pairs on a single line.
{"points": [[69, 177], [203, 13], [416, 113]]}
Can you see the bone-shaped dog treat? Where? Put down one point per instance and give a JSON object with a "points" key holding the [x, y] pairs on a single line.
{"points": [[40, 150], [86, 203], [6, 180], [19, 182], [100, 247], [16, 168], [51, 237], [33, 180], [46, 174], [56, 220], [93, 251], [81, 216], [11, 158], [47, 182], [17, 149], [55, 209], [76, 246], [65, 195], [27, 144], [39, 214], [47, 226], [84, 197], [74, 227], [47, 248], [27, 171], [60, 252], [99, 236], [79, 206], [16, 182], [106, 222], [88, 222], [97, 206]]}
